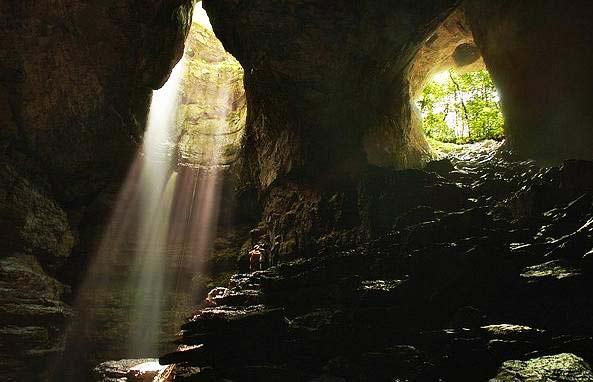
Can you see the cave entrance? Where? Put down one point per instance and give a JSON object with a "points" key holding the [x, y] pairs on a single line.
{"points": [[213, 106], [454, 99], [173, 204], [459, 108]]}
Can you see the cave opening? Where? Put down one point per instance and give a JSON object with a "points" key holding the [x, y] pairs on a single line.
{"points": [[150, 266], [354, 226], [455, 104], [213, 108], [460, 108]]}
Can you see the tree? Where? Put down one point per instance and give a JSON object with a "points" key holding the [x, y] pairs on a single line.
{"points": [[463, 108]]}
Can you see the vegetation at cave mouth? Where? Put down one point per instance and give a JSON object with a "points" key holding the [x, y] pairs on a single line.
{"points": [[461, 108]]}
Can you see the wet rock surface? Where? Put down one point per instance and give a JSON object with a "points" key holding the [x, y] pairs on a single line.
{"points": [[560, 367], [128, 370], [487, 263]]}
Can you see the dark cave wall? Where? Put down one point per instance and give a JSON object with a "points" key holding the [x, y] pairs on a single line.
{"points": [[539, 55], [325, 81], [329, 88], [76, 78], [328, 83], [75, 85]]}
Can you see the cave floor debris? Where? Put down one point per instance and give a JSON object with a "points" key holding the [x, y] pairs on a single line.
{"points": [[487, 273]]}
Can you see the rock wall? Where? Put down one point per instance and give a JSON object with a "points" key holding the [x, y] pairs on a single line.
{"points": [[539, 55], [450, 46], [37, 240], [482, 270], [75, 85], [210, 123], [213, 108], [324, 82], [76, 78], [328, 84]]}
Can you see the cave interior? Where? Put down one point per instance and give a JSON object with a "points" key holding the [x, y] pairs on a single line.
{"points": [[225, 190]]}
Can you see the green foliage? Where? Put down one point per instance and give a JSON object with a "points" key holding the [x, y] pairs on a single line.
{"points": [[462, 108]]}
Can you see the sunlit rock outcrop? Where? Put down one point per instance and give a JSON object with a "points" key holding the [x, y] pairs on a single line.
{"points": [[211, 118], [566, 367]]}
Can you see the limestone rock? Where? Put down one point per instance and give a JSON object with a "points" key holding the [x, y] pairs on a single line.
{"points": [[78, 79], [32, 318], [75, 84], [441, 167], [328, 95], [445, 291], [554, 269], [451, 46], [466, 54], [31, 223], [540, 50], [560, 367], [512, 332], [128, 370], [211, 119]]}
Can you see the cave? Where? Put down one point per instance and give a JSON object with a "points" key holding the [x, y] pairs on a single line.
{"points": [[220, 190]]}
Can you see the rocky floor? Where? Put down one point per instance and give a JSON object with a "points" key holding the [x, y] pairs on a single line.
{"points": [[484, 273], [130, 370]]}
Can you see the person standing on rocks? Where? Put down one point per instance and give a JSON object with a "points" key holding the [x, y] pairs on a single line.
{"points": [[254, 258]]}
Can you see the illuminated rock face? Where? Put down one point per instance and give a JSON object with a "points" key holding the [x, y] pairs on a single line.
{"points": [[565, 366], [451, 45], [211, 118]]}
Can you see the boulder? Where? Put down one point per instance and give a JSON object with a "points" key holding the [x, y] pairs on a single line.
{"points": [[32, 318], [560, 367], [128, 370], [31, 222]]}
